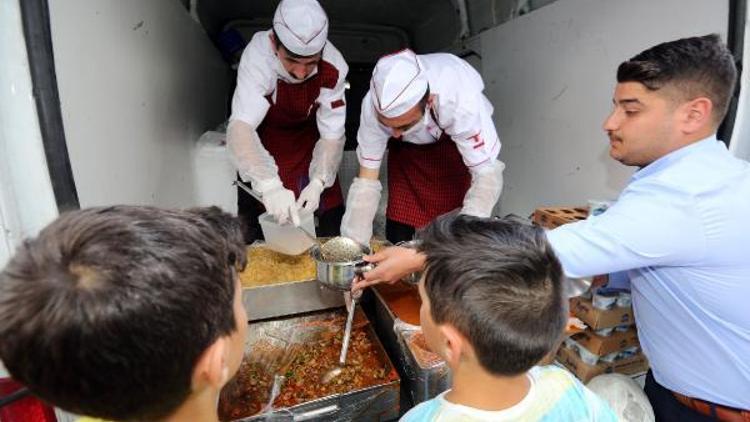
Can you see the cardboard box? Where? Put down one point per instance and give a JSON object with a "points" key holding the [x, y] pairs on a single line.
{"points": [[601, 346], [598, 318], [572, 361], [551, 217]]}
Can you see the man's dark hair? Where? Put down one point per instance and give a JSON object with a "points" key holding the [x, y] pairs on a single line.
{"points": [[499, 283], [695, 67], [107, 311]]}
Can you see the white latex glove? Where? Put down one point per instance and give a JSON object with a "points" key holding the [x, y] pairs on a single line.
{"points": [[361, 206], [485, 189], [309, 198], [279, 203]]}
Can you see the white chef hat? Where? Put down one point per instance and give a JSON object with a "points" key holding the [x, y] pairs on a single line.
{"points": [[398, 83], [301, 25]]}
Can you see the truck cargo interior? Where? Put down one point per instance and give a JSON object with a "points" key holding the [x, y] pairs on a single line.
{"points": [[140, 82], [127, 102]]}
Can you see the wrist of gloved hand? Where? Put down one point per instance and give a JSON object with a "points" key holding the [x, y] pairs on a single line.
{"points": [[361, 207], [267, 185]]}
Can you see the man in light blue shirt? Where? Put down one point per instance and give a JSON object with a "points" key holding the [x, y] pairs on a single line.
{"points": [[681, 229]]}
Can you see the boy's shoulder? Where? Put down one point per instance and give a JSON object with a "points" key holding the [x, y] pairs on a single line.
{"points": [[555, 395], [561, 396], [424, 411]]}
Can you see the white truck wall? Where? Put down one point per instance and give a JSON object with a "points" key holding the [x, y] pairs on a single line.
{"points": [[27, 202], [139, 82], [551, 74], [740, 145]]}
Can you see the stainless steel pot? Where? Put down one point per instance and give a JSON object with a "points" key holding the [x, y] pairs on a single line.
{"points": [[339, 275], [412, 278]]}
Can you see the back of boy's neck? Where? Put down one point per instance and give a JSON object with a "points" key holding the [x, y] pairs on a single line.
{"points": [[478, 389], [197, 407]]}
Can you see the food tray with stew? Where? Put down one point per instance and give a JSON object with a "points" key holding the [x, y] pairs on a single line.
{"points": [[296, 352]]}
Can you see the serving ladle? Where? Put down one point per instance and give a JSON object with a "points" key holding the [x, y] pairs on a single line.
{"points": [[334, 372]]}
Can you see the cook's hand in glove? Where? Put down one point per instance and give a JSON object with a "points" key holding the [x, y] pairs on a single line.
{"points": [[309, 198], [279, 202], [393, 264], [361, 206]]}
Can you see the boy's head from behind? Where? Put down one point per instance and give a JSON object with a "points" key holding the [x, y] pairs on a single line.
{"points": [[491, 292], [124, 312]]}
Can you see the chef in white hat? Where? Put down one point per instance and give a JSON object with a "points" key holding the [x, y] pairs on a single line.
{"points": [[430, 113], [286, 131]]}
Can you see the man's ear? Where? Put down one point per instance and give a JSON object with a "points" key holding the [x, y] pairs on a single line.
{"points": [[697, 114], [211, 369], [455, 346]]}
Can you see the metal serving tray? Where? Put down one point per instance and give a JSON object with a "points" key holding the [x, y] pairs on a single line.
{"points": [[420, 382], [288, 297], [375, 403]]}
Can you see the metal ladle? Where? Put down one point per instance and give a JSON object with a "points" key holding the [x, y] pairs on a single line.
{"points": [[341, 249], [336, 371]]}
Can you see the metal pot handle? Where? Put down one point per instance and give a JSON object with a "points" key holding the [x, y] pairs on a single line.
{"points": [[363, 267]]}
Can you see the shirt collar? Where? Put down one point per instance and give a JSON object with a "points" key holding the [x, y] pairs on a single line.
{"points": [[674, 156]]}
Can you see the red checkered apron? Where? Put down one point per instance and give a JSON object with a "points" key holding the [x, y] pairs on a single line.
{"points": [[425, 181], [290, 130]]}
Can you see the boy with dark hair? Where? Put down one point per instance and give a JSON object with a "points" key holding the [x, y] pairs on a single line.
{"points": [[126, 312], [492, 308]]}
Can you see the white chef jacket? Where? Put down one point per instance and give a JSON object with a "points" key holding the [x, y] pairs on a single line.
{"points": [[258, 74], [461, 109]]}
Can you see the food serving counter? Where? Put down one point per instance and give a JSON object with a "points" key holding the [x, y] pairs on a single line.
{"points": [[294, 336], [294, 352]]}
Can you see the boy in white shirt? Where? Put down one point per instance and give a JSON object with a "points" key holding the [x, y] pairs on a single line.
{"points": [[492, 308]]}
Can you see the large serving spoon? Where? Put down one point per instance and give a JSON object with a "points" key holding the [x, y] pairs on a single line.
{"points": [[334, 372]]}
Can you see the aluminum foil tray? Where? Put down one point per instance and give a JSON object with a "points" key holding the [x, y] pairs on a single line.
{"points": [[378, 402]]}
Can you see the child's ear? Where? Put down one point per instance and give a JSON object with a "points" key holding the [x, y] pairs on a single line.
{"points": [[455, 346], [211, 369]]}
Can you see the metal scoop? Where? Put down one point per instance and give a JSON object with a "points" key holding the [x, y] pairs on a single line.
{"points": [[341, 249], [336, 371], [257, 195]]}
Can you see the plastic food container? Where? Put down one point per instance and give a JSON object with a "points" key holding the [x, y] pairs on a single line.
{"points": [[611, 357], [605, 299], [605, 332], [622, 328], [597, 206], [630, 352], [624, 300], [588, 357], [285, 238]]}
